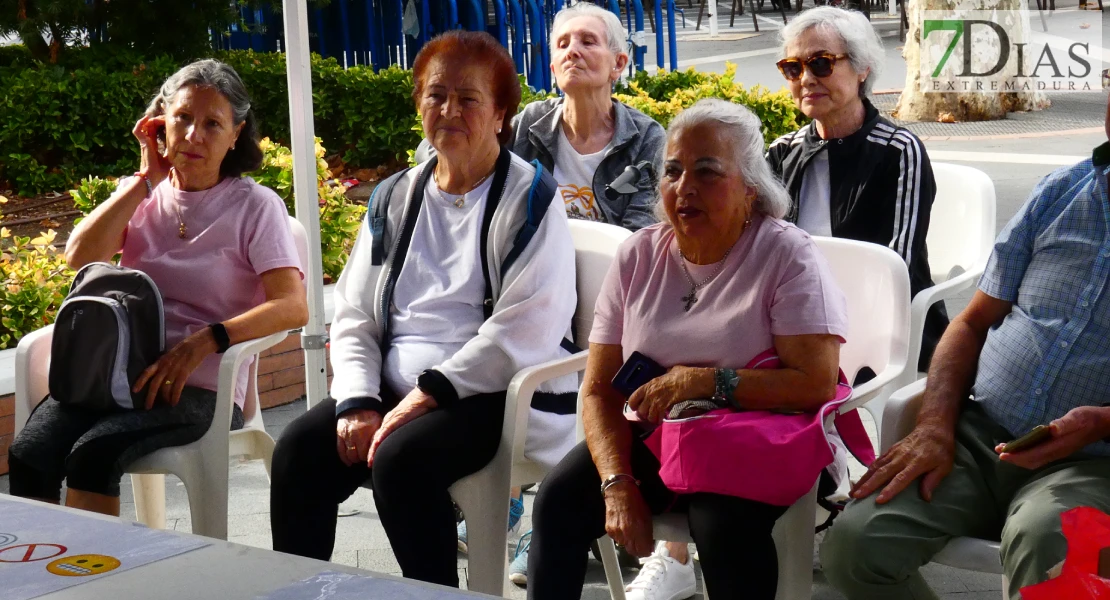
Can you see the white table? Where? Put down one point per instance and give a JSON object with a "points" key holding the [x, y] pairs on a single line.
{"points": [[219, 571]]}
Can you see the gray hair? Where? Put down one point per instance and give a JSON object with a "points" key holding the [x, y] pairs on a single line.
{"points": [[246, 156], [747, 145], [615, 33], [863, 46]]}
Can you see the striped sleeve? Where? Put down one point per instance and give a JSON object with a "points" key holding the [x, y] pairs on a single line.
{"points": [[913, 191]]}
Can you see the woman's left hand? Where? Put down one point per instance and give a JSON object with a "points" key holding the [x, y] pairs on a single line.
{"points": [[652, 401], [416, 404], [166, 377]]}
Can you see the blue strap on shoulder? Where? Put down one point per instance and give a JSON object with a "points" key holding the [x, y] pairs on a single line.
{"points": [[379, 214], [540, 195]]}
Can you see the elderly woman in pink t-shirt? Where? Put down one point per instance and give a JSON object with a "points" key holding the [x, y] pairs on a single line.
{"points": [[219, 248], [720, 281]]}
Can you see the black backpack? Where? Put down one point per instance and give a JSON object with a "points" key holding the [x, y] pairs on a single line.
{"points": [[109, 329]]}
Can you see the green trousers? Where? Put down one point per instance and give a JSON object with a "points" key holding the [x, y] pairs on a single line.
{"points": [[875, 551]]}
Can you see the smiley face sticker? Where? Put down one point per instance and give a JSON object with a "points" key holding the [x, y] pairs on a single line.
{"points": [[83, 565]]}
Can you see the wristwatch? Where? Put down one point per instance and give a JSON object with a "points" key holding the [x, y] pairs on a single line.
{"points": [[219, 333], [726, 382]]}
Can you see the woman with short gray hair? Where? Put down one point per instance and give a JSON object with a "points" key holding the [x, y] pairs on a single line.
{"points": [[586, 138], [219, 249], [851, 172], [863, 46], [721, 281]]}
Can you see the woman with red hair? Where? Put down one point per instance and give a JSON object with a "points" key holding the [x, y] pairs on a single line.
{"points": [[438, 308]]}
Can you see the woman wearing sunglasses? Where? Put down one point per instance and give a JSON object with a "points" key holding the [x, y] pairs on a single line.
{"points": [[852, 173]]}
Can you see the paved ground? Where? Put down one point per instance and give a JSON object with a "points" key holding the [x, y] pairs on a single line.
{"points": [[1015, 165]]}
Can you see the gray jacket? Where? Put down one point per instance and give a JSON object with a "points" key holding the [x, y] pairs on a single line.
{"points": [[637, 138]]}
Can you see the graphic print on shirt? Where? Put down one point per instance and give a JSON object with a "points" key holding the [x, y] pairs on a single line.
{"points": [[574, 173], [580, 202]]}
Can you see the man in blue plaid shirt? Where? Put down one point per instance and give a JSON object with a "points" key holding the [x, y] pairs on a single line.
{"points": [[1032, 347]]}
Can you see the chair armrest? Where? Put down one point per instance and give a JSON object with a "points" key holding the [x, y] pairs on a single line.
{"points": [[867, 392], [230, 364], [899, 414], [523, 386], [950, 287], [919, 308], [942, 291]]}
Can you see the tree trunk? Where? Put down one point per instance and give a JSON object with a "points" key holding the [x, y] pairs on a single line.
{"points": [[916, 105]]}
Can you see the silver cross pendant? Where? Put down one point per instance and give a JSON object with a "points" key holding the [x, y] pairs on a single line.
{"points": [[689, 300]]}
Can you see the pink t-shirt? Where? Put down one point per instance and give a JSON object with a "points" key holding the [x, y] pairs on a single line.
{"points": [[774, 282], [236, 231]]}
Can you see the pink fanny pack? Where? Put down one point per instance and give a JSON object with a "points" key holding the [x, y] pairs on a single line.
{"points": [[769, 457]]}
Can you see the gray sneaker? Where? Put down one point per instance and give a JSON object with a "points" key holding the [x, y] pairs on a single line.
{"points": [[518, 569]]}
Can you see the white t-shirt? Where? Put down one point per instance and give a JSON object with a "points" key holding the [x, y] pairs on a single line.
{"points": [[814, 213], [574, 173], [437, 302]]}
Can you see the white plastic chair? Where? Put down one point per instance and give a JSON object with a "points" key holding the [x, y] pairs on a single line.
{"points": [[202, 465], [973, 554], [960, 240], [877, 287], [484, 496]]}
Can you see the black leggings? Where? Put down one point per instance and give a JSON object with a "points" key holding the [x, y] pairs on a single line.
{"points": [[733, 535], [90, 450], [412, 470]]}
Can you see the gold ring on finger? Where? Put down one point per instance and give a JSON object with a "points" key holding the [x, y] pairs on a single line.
{"points": [[168, 382]]}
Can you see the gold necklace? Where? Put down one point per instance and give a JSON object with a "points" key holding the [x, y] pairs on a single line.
{"points": [[461, 200], [182, 230]]}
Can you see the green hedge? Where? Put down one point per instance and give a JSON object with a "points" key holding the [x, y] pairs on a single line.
{"points": [[665, 94], [64, 122], [58, 125]]}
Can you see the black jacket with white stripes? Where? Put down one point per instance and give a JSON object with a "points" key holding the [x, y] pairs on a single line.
{"points": [[881, 191]]}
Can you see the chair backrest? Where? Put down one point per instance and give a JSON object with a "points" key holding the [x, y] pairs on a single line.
{"points": [[595, 246], [961, 225], [876, 284], [251, 402], [300, 238]]}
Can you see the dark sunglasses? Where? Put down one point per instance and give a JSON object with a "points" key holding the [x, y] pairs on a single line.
{"points": [[821, 65]]}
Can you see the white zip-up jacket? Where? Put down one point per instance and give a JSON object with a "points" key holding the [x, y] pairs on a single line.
{"points": [[533, 307]]}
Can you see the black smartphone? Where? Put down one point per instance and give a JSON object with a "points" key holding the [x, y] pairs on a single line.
{"points": [[1039, 434], [635, 372]]}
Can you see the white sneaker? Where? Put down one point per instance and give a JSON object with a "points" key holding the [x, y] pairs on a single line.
{"points": [[663, 578]]}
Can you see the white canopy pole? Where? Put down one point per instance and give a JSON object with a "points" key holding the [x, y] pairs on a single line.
{"points": [[299, 71], [712, 18]]}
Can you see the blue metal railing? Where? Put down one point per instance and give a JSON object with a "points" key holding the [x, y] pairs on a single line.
{"points": [[501, 25], [370, 32], [516, 14]]}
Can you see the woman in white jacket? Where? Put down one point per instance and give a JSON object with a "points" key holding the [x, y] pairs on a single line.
{"points": [[442, 302]]}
